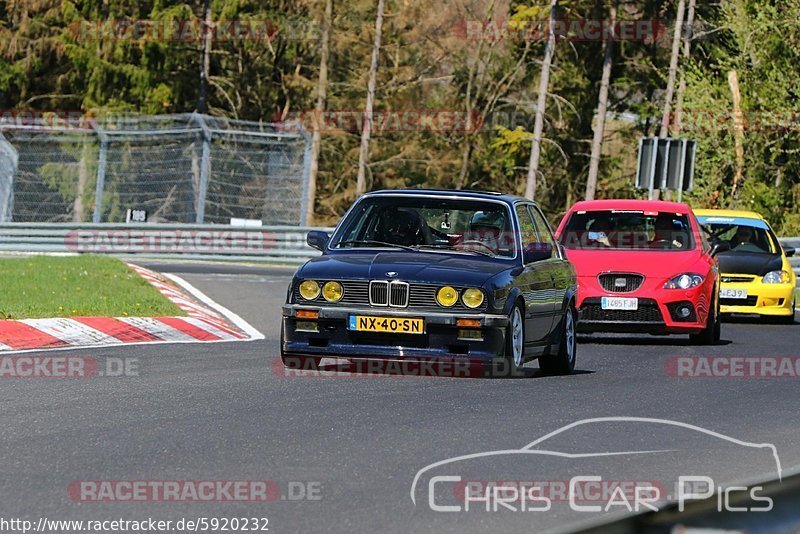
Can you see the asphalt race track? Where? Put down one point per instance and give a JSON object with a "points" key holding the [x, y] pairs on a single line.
{"points": [[356, 442]]}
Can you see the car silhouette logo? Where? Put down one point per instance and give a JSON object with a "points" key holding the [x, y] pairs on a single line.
{"points": [[534, 449], [390, 274]]}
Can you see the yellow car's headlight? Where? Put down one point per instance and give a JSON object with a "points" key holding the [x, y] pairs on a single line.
{"points": [[472, 297], [447, 296], [309, 289], [777, 277], [332, 291]]}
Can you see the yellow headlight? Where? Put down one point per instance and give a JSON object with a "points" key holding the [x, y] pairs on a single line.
{"points": [[332, 291], [472, 297], [447, 296], [309, 289]]}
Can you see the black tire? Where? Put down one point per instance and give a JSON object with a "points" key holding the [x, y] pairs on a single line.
{"points": [[300, 363], [788, 319], [711, 333], [510, 366], [563, 362]]}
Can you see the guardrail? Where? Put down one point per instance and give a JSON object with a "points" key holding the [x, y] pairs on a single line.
{"points": [[271, 244], [795, 243]]}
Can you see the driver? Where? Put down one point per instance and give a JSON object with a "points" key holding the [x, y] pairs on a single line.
{"points": [[599, 230], [400, 227], [486, 229], [743, 237], [664, 233]]}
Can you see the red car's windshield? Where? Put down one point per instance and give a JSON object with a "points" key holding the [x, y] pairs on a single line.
{"points": [[628, 230]]}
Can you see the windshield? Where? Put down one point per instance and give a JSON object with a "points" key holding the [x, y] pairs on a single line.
{"points": [[627, 230], [468, 226], [743, 235]]}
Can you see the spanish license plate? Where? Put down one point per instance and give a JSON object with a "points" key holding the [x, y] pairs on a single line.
{"points": [[619, 303], [394, 325], [728, 293]]}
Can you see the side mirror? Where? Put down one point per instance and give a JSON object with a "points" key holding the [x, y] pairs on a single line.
{"points": [[789, 251], [537, 252], [720, 246], [317, 239]]}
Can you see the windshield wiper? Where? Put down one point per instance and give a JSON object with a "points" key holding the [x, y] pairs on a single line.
{"points": [[448, 247], [373, 242]]}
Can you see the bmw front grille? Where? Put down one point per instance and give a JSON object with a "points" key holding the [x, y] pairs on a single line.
{"points": [[385, 293]]}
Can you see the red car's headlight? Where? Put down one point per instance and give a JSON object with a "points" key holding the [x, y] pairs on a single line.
{"points": [[684, 281]]}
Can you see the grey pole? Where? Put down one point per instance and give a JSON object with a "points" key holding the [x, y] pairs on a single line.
{"points": [[205, 162], [101, 175], [304, 215], [684, 146]]}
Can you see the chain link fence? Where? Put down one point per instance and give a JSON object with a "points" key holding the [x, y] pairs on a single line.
{"points": [[8, 168], [183, 168]]}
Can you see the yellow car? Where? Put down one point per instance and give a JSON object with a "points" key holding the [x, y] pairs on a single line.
{"points": [[755, 273]]}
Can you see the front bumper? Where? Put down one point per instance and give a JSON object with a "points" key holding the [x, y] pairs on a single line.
{"points": [[657, 313], [441, 338], [762, 299]]}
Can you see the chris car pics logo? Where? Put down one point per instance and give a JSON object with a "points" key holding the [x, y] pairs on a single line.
{"points": [[449, 485]]}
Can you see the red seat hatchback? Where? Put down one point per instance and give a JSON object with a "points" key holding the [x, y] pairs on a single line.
{"points": [[643, 266]]}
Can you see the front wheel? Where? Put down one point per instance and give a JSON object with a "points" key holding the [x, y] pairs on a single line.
{"points": [[563, 363], [513, 358], [711, 333]]}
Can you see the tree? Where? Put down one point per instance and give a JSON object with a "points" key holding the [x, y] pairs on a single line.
{"points": [[602, 109], [322, 93], [544, 80], [363, 154]]}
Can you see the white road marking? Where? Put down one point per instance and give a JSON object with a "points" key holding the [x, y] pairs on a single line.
{"points": [[202, 325], [225, 312]]}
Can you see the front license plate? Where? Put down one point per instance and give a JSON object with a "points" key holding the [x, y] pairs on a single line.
{"points": [[394, 325], [619, 303], [733, 293]]}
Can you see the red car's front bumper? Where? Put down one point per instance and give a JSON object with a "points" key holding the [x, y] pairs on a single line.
{"points": [[658, 311]]}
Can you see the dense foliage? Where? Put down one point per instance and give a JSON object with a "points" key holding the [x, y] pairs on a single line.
{"points": [[50, 60]]}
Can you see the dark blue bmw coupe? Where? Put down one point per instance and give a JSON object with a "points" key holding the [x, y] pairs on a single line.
{"points": [[431, 275]]}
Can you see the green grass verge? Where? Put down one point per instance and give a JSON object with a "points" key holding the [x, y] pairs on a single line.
{"points": [[46, 286]]}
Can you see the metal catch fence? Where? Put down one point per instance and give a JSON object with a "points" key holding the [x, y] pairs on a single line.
{"points": [[183, 168]]}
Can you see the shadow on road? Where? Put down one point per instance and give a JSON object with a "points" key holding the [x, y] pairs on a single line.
{"points": [[345, 369], [756, 320], [657, 341]]}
